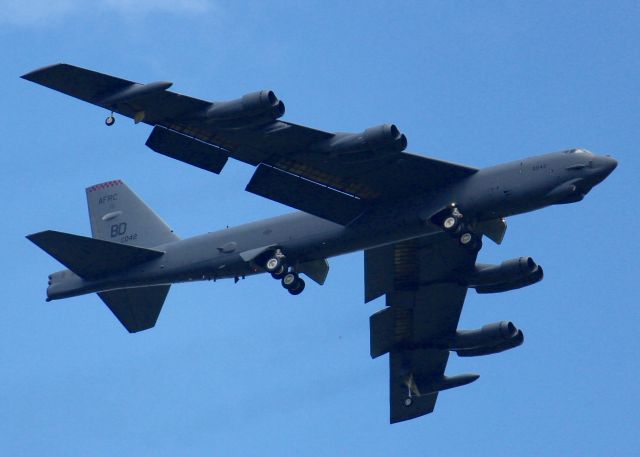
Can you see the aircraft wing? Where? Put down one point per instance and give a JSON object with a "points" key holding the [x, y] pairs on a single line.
{"points": [[332, 175], [424, 302]]}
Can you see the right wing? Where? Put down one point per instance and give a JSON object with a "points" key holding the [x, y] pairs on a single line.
{"points": [[336, 176], [424, 302]]}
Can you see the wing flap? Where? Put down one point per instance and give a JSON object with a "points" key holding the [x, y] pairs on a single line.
{"points": [[305, 195], [187, 149]]}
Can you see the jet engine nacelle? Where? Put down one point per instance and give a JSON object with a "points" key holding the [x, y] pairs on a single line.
{"points": [[490, 339], [251, 109], [509, 275], [385, 137]]}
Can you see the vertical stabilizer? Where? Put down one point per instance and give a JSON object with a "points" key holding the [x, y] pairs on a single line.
{"points": [[117, 214]]}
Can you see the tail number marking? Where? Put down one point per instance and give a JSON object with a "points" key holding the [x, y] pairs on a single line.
{"points": [[118, 229]]}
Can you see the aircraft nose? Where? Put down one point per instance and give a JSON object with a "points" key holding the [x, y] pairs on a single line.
{"points": [[608, 164]]}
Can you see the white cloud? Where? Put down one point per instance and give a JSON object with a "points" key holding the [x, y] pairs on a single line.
{"points": [[29, 13]]}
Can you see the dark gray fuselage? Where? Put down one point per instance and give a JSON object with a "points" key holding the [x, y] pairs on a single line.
{"points": [[491, 193]]}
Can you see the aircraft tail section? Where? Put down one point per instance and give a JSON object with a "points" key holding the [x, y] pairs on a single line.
{"points": [[117, 214], [90, 258], [124, 232], [137, 308]]}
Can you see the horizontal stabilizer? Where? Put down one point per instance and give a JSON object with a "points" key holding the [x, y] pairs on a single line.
{"points": [[90, 258], [187, 149], [305, 195], [138, 308]]}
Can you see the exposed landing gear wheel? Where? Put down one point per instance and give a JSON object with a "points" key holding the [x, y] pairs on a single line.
{"points": [[273, 265], [289, 280], [466, 238], [453, 221], [450, 223], [408, 401], [110, 120], [298, 288], [293, 283], [280, 272], [470, 241]]}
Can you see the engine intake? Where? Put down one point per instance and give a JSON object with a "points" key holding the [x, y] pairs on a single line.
{"points": [[385, 138], [251, 109], [509, 275], [490, 339]]}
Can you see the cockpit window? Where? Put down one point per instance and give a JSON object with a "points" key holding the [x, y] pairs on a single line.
{"points": [[576, 151]]}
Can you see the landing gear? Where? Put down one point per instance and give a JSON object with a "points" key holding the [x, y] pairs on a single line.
{"points": [[452, 222], [470, 241], [411, 390], [293, 283], [110, 120], [276, 264], [279, 273]]}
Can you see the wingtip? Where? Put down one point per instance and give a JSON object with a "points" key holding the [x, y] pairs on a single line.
{"points": [[32, 236], [31, 76]]}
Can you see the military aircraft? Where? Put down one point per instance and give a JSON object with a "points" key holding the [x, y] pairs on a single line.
{"points": [[419, 220]]}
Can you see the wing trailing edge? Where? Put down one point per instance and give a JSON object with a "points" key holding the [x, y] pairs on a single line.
{"points": [[305, 195], [187, 149]]}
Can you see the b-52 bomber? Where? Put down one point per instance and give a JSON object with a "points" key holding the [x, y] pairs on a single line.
{"points": [[419, 220]]}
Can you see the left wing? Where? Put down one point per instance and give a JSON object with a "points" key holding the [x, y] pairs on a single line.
{"points": [[420, 278], [335, 176]]}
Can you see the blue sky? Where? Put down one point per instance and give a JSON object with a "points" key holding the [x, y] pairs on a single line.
{"points": [[246, 369]]}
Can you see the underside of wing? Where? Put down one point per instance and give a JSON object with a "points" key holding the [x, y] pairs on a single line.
{"points": [[424, 302], [331, 175]]}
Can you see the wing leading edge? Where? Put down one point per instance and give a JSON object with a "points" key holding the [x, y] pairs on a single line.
{"points": [[424, 302]]}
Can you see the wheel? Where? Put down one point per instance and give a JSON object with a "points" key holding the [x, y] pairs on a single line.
{"points": [[408, 401], [273, 264], [110, 121], [280, 272], [466, 238], [298, 287], [450, 223], [289, 280], [470, 241]]}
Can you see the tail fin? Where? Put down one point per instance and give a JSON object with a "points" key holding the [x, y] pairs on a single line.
{"points": [[123, 228], [117, 214]]}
